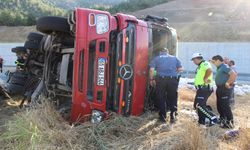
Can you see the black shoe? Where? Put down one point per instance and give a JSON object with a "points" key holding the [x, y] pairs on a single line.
{"points": [[227, 125], [173, 117], [162, 118], [172, 121]]}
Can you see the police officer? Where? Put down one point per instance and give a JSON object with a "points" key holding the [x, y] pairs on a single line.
{"points": [[166, 82], [1, 64], [20, 63], [224, 80], [203, 84], [232, 66]]}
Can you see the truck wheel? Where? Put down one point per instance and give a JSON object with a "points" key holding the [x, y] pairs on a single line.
{"points": [[51, 24], [33, 36], [19, 49], [31, 45], [33, 41]]}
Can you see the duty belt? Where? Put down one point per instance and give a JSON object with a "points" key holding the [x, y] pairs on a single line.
{"points": [[203, 87], [168, 77]]}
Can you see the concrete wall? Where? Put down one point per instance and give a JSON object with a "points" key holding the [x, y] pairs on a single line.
{"points": [[239, 52]]}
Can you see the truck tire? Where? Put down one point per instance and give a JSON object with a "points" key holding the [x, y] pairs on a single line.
{"points": [[19, 49], [33, 41], [34, 36], [51, 24], [32, 45]]}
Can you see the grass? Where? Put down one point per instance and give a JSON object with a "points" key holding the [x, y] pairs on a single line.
{"points": [[244, 139], [42, 127], [37, 128], [196, 138]]}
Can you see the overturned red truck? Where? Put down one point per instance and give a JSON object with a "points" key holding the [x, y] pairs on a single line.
{"points": [[96, 63], [111, 61]]}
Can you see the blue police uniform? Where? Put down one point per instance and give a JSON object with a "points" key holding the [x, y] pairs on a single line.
{"points": [[166, 83], [223, 95], [166, 65]]}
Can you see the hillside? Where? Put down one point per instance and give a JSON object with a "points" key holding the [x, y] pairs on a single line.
{"points": [[195, 21], [25, 12], [71, 4], [206, 20]]}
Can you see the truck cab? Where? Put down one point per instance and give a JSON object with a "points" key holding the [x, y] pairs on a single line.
{"points": [[110, 61]]}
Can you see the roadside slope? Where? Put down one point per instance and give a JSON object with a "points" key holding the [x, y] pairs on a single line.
{"points": [[195, 21], [15, 34], [204, 20]]}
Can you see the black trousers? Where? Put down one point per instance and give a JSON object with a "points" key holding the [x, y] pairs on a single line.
{"points": [[1, 67], [200, 103], [167, 95], [232, 100], [223, 95]]}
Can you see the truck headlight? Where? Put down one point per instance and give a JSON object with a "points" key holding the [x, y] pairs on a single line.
{"points": [[102, 23], [97, 116]]}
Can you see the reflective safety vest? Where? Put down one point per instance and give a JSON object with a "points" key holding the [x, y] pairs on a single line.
{"points": [[19, 63], [200, 73], [155, 73]]}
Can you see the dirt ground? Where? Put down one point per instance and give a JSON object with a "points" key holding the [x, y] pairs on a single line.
{"points": [[158, 138]]}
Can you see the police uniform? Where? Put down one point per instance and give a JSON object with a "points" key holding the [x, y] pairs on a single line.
{"points": [[20, 62], [223, 95], [232, 99], [1, 64], [203, 92], [166, 83]]}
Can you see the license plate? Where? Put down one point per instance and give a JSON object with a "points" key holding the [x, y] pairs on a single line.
{"points": [[101, 71]]}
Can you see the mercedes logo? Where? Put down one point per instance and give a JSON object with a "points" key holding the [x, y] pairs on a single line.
{"points": [[126, 72]]}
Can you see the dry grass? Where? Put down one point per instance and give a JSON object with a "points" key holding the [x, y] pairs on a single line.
{"points": [[244, 139], [37, 128], [186, 94], [42, 127], [196, 138]]}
